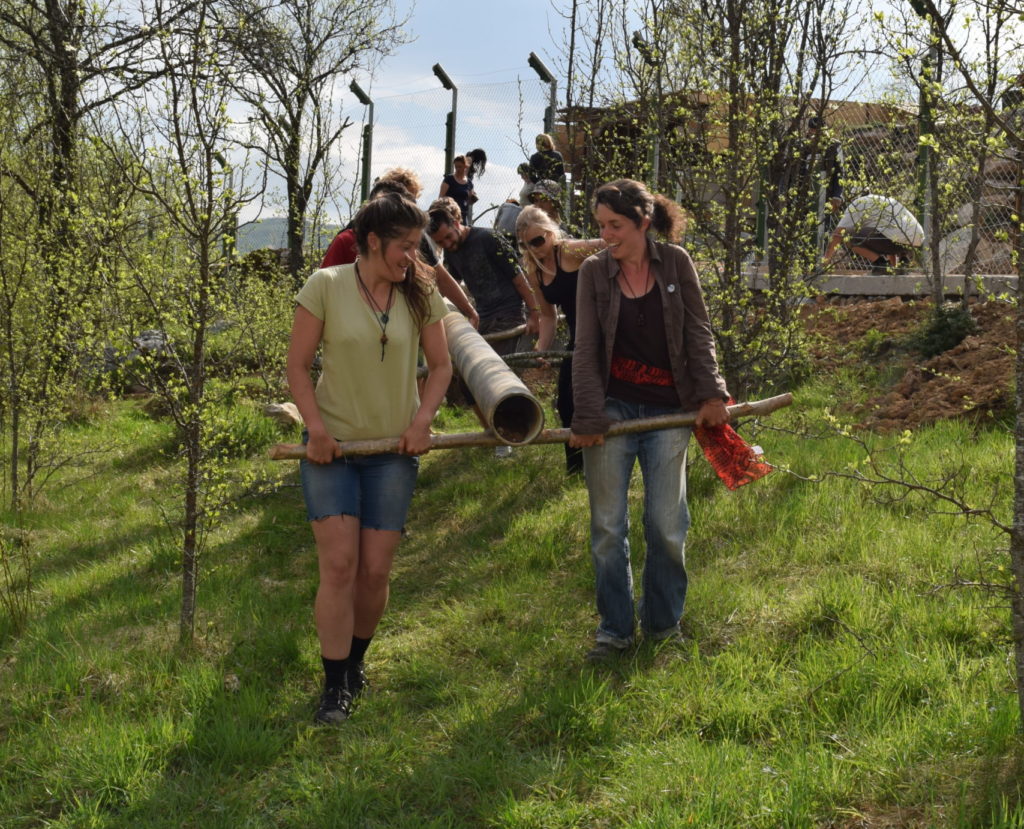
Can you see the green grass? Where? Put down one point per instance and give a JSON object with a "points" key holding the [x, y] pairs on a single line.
{"points": [[829, 678]]}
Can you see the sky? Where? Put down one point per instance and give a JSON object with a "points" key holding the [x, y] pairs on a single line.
{"points": [[476, 41], [483, 45]]}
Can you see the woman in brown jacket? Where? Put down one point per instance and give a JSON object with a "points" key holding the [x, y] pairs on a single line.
{"points": [[644, 347]]}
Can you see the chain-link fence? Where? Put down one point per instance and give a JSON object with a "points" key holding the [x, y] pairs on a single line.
{"points": [[410, 131], [961, 182], [975, 195], [796, 177], [976, 189]]}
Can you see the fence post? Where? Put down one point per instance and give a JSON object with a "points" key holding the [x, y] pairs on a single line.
{"points": [[450, 121], [545, 75], [366, 101]]}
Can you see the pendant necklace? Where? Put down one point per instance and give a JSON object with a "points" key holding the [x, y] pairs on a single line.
{"points": [[641, 320], [379, 314]]}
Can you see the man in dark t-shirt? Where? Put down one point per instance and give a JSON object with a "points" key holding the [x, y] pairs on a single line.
{"points": [[488, 266]]}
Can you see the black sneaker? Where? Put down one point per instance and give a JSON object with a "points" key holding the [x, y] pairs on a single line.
{"points": [[356, 680], [335, 704]]}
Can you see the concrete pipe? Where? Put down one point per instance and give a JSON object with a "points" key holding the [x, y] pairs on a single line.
{"points": [[508, 408]]}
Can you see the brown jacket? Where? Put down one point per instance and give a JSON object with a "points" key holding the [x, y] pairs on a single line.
{"points": [[691, 344]]}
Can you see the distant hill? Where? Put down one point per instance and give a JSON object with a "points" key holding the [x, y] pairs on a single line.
{"points": [[272, 233]]}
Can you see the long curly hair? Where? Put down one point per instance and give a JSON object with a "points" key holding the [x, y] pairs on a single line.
{"points": [[390, 216], [405, 178]]}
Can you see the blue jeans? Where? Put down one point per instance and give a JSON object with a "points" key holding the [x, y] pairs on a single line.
{"points": [[666, 519]]}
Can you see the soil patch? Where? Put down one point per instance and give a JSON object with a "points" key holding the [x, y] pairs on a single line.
{"points": [[973, 379]]}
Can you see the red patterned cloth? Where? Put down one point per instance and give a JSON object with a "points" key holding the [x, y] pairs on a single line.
{"points": [[639, 374], [732, 458]]}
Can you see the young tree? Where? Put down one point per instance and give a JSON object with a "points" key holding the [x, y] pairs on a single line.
{"points": [[48, 304], [85, 56], [182, 138], [957, 33], [765, 68], [293, 54], [706, 100], [64, 62], [20, 336], [586, 54]]}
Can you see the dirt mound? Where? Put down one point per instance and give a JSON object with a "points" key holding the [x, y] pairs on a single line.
{"points": [[972, 379]]}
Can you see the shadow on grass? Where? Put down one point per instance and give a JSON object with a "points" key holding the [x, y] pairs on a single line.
{"points": [[466, 505], [549, 736], [250, 734], [552, 738], [232, 696], [143, 456]]}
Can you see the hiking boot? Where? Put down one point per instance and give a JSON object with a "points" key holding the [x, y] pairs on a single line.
{"points": [[356, 680], [603, 652], [673, 634], [335, 704]]}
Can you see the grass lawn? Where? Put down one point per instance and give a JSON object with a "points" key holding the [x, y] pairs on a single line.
{"points": [[831, 675]]}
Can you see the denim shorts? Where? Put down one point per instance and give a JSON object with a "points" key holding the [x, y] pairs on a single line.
{"points": [[376, 489]]}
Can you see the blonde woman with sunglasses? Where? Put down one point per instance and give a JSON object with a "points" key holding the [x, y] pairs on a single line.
{"points": [[551, 262]]}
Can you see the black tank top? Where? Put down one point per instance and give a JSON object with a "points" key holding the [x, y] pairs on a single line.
{"points": [[641, 370], [562, 292]]}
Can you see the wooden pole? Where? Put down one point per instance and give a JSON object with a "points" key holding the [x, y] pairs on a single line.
{"points": [[459, 440], [507, 334], [533, 356]]}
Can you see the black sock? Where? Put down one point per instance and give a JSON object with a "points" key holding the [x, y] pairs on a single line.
{"points": [[358, 651], [335, 671]]}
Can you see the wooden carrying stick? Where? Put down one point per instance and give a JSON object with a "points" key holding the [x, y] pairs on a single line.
{"points": [[458, 440]]}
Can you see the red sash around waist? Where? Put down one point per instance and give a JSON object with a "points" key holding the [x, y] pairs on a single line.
{"points": [[640, 374]]}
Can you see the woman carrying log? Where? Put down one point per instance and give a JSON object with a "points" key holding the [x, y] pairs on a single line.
{"points": [[370, 318], [551, 263], [644, 347]]}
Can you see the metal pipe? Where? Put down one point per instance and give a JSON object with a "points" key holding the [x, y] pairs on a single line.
{"points": [[545, 75], [506, 405]]}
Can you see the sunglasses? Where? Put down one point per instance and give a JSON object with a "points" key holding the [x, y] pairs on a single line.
{"points": [[535, 242]]}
